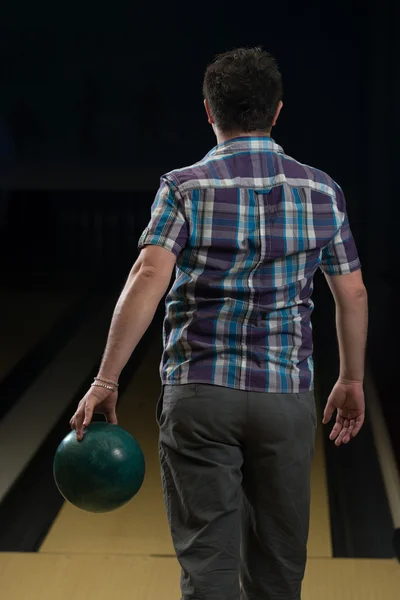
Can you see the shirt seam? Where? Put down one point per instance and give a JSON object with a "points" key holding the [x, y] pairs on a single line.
{"points": [[337, 268], [253, 187]]}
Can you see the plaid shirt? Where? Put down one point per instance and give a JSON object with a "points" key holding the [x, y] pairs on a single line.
{"points": [[249, 227]]}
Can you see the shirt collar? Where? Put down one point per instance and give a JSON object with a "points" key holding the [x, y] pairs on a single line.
{"points": [[246, 144]]}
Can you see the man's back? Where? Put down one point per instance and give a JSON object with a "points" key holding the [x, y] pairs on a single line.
{"points": [[250, 226]]}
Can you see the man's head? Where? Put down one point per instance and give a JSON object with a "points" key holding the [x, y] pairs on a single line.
{"points": [[243, 92]]}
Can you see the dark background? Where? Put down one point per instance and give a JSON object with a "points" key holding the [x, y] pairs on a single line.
{"points": [[98, 100]]}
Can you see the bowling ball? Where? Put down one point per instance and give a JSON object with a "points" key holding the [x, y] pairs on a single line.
{"points": [[102, 472]]}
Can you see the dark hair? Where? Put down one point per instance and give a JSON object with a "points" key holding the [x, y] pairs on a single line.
{"points": [[243, 88]]}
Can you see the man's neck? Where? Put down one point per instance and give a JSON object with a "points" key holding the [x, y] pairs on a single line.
{"points": [[225, 137]]}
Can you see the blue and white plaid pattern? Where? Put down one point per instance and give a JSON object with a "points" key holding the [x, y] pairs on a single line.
{"points": [[249, 227]]}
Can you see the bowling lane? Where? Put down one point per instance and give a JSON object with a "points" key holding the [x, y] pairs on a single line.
{"points": [[101, 577], [141, 527], [26, 318]]}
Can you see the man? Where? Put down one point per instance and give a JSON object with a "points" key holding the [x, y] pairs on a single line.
{"points": [[246, 227]]}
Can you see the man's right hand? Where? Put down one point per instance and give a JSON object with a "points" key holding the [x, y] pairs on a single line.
{"points": [[347, 397], [97, 400]]}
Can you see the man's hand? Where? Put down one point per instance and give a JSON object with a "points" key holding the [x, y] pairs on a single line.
{"points": [[347, 397], [96, 400]]}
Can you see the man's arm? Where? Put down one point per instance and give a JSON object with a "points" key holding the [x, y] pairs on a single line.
{"points": [[351, 323], [341, 266], [135, 309], [160, 244], [146, 285], [347, 396]]}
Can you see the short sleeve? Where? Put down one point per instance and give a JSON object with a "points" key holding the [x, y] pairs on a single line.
{"points": [[168, 226], [340, 256]]}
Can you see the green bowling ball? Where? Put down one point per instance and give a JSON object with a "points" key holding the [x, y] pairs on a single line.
{"points": [[102, 472]]}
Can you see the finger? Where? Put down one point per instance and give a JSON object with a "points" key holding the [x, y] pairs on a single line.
{"points": [[111, 417], [89, 409], [349, 434], [73, 418], [343, 433], [335, 431], [359, 422], [337, 427], [328, 412], [79, 416]]}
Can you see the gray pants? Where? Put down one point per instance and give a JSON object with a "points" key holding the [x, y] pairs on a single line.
{"points": [[236, 477]]}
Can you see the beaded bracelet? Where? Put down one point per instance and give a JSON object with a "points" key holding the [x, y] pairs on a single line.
{"points": [[103, 385], [106, 381]]}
